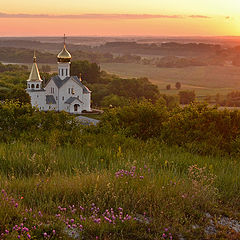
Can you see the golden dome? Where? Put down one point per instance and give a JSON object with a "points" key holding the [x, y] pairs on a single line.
{"points": [[64, 55]]}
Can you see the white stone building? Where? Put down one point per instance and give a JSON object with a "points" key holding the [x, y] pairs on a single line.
{"points": [[62, 92]]}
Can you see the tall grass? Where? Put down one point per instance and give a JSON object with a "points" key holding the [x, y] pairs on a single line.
{"points": [[45, 176]]}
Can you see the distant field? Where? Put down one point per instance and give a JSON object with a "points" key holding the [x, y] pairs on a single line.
{"points": [[206, 80]]}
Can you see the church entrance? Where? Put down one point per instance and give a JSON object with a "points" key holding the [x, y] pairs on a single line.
{"points": [[76, 106]]}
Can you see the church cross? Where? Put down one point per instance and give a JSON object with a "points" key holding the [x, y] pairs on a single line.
{"points": [[64, 39]]}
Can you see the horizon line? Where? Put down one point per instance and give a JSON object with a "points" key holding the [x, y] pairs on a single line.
{"points": [[126, 35], [101, 16]]}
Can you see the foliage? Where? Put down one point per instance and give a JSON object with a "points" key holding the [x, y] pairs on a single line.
{"points": [[118, 91], [142, 120], [197, 127], [18, 94], [21, 119], [177, 62], [168, 87], [114, 101], [12, 68], [178, 85], [24, 55], [186, 97], [127, 58], [170, 101], [233, 99], [134, 88], [90, 72]]}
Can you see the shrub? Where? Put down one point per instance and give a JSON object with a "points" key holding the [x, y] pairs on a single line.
{"points": [[143, 120], [178, 85], [186, 97], [168, 87]]}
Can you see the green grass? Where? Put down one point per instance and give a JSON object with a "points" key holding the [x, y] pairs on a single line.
{"points": [[206, 80], [43, 177]]}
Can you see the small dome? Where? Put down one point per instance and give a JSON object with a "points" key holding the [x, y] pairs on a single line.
{"points": [[64, 55]]}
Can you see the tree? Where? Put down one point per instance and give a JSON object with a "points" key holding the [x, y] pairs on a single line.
{"points": [[171, 101], [18, 94], [186, 97], [90, 72], [99, 91], [178, 85], [168, 87], [135, 88], [114, 100]]}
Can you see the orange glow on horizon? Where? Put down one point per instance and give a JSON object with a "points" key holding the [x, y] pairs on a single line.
{"points": [[81, 27], [146, 17]]}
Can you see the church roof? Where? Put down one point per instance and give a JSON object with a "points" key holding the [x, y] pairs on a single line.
{"points": [[50, 99], [59, 82], [34, 74], [64, 54], [72, 99]]}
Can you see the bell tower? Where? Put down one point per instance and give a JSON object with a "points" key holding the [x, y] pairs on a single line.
{"points": [[64, 62], [34, 82]]}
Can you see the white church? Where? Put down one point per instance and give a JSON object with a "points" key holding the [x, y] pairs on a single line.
{"points": [[62, 92]]}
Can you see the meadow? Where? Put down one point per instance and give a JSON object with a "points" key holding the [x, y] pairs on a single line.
{"points": [[151, 191], [62, 180], [204, 80]]}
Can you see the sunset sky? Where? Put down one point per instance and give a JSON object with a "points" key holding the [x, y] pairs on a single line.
{"points": [[125, 17]]}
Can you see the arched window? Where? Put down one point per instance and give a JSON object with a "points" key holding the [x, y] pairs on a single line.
{"points": [[62, 72], [32, 86], [37, 86], [66, 72]]}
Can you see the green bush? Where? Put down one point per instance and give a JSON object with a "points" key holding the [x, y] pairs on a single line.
{"points": [[198, 127], [186, 97]]}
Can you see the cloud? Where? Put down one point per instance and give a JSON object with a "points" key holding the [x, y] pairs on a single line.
{"points": [[98, 16], [199, 16]]}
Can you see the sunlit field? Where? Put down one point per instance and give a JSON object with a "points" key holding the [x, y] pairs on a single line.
{"points": [[206, 80]]}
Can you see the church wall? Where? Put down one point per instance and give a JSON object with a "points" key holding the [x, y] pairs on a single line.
{"points": [[64, 92], [87, 101], [51, 89], [38, 99]]}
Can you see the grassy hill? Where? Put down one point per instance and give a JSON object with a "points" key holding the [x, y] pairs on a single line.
{"points": [[62, 180], [154, 187]]}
